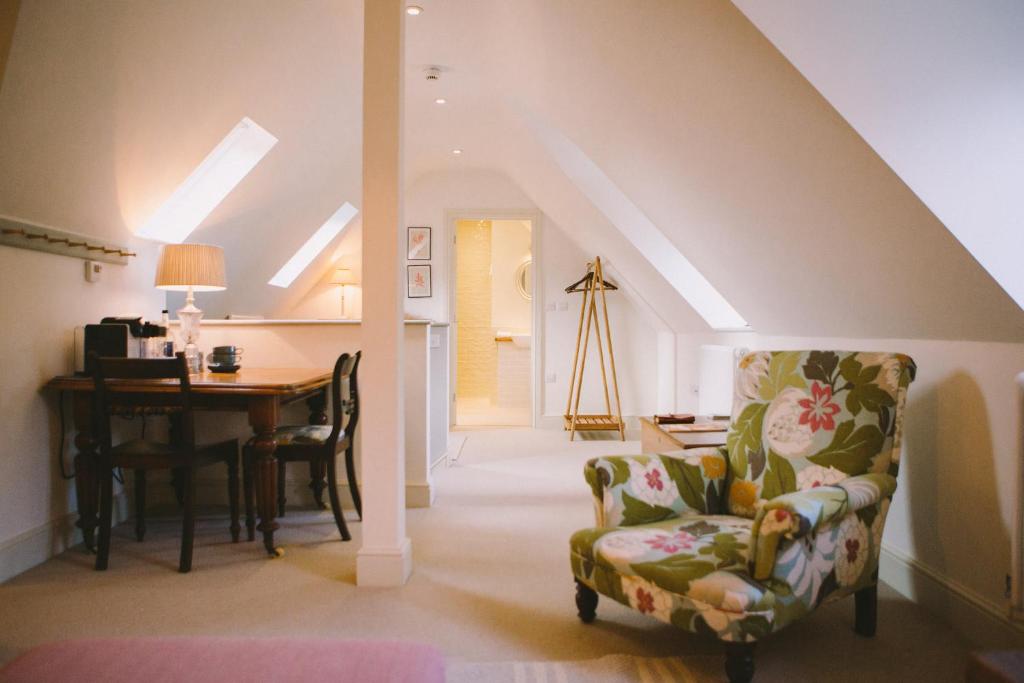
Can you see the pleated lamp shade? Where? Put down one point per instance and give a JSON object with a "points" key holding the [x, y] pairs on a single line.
{"points": [[196, 266], [344, 276]]}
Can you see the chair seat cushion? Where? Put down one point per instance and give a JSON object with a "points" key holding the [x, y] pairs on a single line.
{"points": [[303, 435], [677, 569], [150, 453], [212, 660]]}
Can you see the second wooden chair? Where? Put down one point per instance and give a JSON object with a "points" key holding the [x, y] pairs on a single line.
{"points": [[319, 446]]}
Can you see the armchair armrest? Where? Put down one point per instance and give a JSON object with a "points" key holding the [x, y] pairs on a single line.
{"points": [[795, 515], [638, 489]]}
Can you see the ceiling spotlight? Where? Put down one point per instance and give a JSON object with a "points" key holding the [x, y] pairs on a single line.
{"points": [[414, 10], [440, 100], [456, 152]]}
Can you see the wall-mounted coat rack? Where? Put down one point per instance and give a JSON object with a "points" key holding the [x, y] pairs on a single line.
{"points": [[14, 233]]}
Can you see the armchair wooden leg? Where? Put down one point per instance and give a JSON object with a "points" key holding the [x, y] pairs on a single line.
{"points": [[866, 611], [236, 528], [249, 492], [586, 602], [739, 662], [140, 504]]}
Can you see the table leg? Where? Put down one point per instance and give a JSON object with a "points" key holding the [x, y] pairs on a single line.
{"points": [[263, 419], [86, 483], [318, 467]]}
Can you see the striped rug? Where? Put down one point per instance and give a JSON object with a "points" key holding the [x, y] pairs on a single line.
{"points": [[607, 669]]}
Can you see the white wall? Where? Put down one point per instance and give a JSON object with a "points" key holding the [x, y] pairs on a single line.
{"points": [[633, 338], [954, 510], [45, 297], [426, 200], [52, 174], [936, 87]]}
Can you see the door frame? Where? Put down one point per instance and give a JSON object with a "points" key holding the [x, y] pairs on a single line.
{"points": [[536, 218]]}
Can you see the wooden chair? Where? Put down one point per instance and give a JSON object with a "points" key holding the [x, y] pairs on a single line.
{"points": [[318, 445], [141, 455]]}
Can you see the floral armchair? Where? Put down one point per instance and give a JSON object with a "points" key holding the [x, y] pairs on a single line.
{"points": [[738, 542]]}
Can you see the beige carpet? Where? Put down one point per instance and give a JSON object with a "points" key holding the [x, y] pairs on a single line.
{"points": [[491, 584], [607, 669]]}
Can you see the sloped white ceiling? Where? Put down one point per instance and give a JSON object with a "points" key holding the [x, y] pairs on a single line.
{"points": [[684, 106], [936, 87]]}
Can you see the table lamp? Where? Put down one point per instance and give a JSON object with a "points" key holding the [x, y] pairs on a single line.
{"points": [[343, 276], [191, 268]]}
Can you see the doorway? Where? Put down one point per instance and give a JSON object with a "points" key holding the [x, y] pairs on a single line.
{"points": [[493, 282]]}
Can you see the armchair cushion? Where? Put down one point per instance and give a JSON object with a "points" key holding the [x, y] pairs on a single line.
{"points": [[678, 569], [638, 489]]}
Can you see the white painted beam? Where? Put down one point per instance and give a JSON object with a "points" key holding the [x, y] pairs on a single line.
{"points": [[385, 559]]}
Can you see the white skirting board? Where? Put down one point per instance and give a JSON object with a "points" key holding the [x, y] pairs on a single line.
{"points": [[37, 545], [985, 624]]}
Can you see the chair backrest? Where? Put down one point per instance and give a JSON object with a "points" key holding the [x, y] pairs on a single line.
{"points": [[345, 395], [802, 419], [109, 402]]}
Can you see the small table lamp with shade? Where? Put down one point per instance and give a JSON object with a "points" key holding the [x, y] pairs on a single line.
{"points": [[343, 277], [191, 268]]}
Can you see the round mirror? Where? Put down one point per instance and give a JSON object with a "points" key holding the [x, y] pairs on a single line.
{"points": [[524, 280]]}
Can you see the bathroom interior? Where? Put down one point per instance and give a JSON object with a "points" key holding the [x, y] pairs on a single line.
{"points": [[493, 317]]}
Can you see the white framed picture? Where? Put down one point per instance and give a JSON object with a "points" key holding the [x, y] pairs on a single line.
{"points": [[419, 281], [419, 244]]}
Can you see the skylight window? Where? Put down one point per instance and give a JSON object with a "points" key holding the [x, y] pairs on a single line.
{"points": [[313, 246], [208, 185], [648, 239]]}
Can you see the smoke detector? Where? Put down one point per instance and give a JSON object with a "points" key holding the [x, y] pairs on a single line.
{"points": [[433, 73]]}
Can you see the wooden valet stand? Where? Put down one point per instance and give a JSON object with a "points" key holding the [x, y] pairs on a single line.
{"points": [[590, 284]]}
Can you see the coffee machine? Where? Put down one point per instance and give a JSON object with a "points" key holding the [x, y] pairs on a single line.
{"points": [[118, 337]]}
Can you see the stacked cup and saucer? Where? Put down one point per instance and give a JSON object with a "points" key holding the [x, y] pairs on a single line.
{"points": [[224, 359]]}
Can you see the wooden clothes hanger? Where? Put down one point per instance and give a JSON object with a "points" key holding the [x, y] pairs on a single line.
{"points": [[583, 284]]}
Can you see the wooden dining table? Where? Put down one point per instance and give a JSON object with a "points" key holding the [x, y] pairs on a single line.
{"points": [[260, 392]]}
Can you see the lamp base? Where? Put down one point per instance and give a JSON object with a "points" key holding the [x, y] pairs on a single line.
{"points": [[190, 317]]}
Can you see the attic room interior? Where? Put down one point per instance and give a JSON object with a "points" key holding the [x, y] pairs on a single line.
{"points": [[541, 341]]}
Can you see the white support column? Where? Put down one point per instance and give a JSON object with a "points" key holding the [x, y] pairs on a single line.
{"points": [[386, 556]]}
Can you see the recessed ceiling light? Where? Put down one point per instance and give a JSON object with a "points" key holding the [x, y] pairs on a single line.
{"points": [[440, 100], [413, 10], [456, 152]]}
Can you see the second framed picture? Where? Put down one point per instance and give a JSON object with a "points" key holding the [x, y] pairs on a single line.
{"points": [[419, 281], [419, 244]]}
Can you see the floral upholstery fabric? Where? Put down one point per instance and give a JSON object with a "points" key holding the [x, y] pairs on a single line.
{"points": [[803, 419], [806, 531], [311, 435], [638, 489]]}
